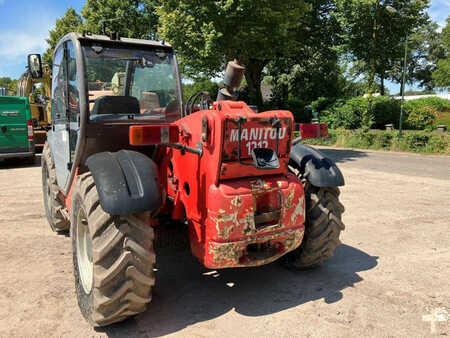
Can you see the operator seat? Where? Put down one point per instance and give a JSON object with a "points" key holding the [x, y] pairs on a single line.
{"points": [[114, 105], [149, 101]]}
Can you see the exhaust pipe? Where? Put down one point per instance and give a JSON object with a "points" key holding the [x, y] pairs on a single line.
{"points": [[232, 81]]}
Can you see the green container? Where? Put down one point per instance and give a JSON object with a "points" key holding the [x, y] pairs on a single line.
{"points": [[15, 125]]}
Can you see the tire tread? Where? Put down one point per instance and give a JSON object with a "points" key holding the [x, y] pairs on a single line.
{"points": [[323, 227], [123, 260]]}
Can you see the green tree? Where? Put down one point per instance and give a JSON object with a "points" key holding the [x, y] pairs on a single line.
{"points": [[441, 75], [425, 50], [9, 84], [200, 85], [71, 21], [374, 35], [209, 33], [130, 18], [313, 71]]}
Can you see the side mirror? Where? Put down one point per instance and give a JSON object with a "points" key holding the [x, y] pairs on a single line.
{"points": [[35, 65]]}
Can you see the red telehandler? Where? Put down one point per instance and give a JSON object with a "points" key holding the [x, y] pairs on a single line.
{"points": [[124, 152]]}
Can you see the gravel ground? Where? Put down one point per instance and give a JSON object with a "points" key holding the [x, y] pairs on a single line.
{"points": [[391, 277]]}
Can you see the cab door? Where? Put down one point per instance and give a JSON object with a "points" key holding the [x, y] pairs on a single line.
{"points": [[65, 110]]}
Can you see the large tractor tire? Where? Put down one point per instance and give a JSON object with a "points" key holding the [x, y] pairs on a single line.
{"points": [[322, 229], [52, 204], [113, 258]]}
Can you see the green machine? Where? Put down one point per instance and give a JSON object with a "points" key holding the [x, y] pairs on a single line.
{"points": [[16, 128]]}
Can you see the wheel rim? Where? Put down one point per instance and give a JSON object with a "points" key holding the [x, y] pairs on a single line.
{"points": [[84, 252]]}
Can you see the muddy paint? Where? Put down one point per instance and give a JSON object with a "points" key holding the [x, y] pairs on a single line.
{"points": [[299, 210], [232, 254]]}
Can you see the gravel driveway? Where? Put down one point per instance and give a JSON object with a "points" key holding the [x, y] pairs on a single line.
{"points": [[391, 277]]}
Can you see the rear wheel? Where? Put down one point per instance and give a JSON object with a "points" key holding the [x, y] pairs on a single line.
{"points": [[322, 228], [113, 258], [50, 191]]}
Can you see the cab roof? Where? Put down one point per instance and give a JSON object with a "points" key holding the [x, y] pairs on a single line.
{"points": [[121, 41]]}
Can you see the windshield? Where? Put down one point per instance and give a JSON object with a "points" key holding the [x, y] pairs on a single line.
{"points": [[131, 84]]}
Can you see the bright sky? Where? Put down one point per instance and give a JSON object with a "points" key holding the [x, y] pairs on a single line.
{"points": [[24, 25]]}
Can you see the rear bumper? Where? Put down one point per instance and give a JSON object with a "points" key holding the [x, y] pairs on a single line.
{"points": [[16, 155], [235, 232], [254, 251]]}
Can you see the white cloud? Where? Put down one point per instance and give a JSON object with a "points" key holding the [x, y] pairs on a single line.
{"points": [[14, 44], [25, 37]]}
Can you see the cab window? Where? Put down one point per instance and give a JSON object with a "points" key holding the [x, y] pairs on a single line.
{"points": [[131, 84], [72, 83], [58, 86]]}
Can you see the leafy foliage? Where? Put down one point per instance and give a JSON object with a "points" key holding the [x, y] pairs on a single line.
{"points": [[209, 33], [9, 84], [350, 114], [70, 22], [346, 114], [424, 113], [314, 70], [200, 85], [421, 118], [374, 36], [419, 114], [442, 73], [130, 18], [424, 52], [444, 119], [310, 51], [437, 103], [411, 141]]}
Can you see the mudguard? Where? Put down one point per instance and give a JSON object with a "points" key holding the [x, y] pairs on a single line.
{"points": [[126, 181], [319, 170]]}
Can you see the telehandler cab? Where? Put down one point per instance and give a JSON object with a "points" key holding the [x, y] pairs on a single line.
{"points": [[124, 151]]}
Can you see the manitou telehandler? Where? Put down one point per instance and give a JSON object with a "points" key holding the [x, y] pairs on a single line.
{"points": [[124, 152]]}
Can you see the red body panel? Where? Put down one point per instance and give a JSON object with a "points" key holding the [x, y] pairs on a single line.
{"points": [[312, 130], [231, 222], [238, 215], [219, 195]]}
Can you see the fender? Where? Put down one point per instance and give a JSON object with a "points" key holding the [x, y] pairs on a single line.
{"points": [[126, 181], [318, 169]]}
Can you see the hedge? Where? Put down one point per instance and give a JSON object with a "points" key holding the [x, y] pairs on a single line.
{"points": [[419, 114], [411, 141]]}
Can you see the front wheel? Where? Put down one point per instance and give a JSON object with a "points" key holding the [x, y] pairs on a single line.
{"points": [[113, 258], [322, 228]]}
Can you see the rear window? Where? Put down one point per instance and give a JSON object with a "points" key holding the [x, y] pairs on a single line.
{"points": [[131, 84]]}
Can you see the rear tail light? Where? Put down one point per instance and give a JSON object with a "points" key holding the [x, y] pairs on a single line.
{"points": [[30, 130], [312, 130], [148, 135]]}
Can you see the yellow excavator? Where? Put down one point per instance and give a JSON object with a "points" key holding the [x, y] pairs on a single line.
{"points": [[39, 104]]}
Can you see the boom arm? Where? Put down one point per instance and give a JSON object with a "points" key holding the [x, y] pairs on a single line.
{"points": [[25, 88]]}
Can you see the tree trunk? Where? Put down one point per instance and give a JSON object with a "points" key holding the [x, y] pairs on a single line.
{"points": [[373, 61], [253, 75], [382, 85]]}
